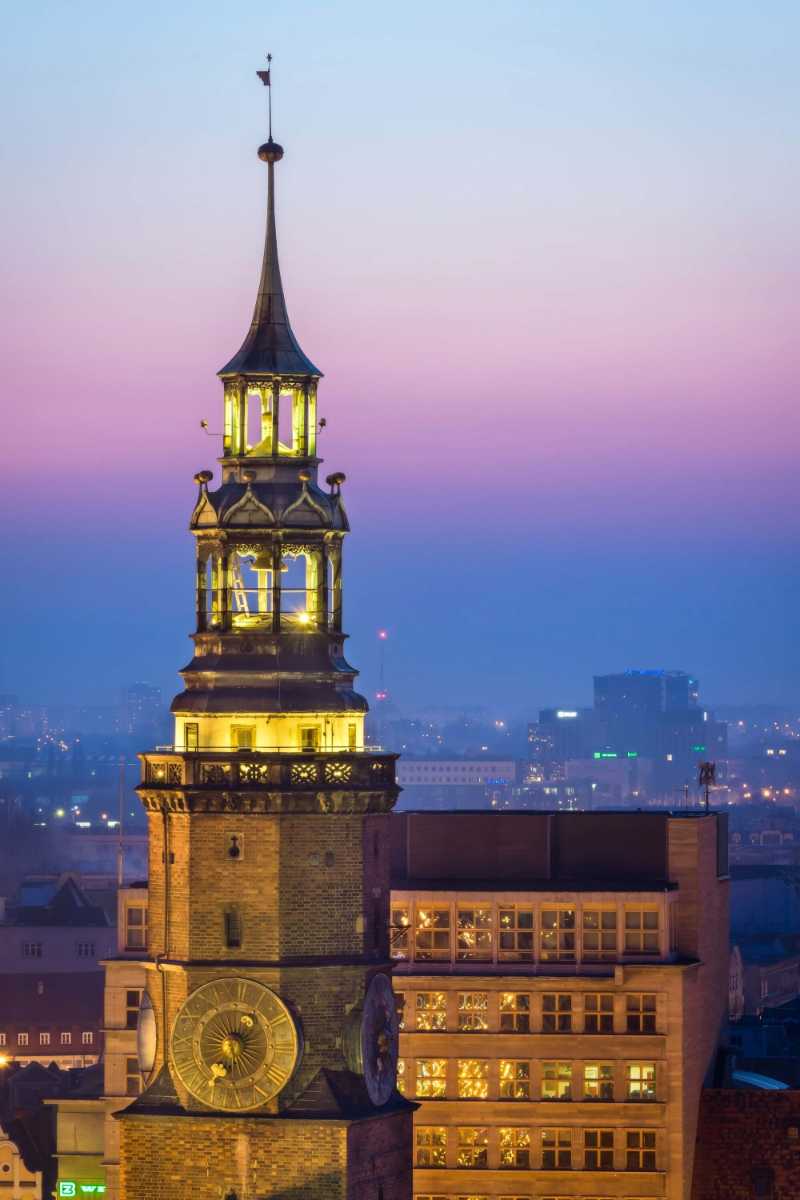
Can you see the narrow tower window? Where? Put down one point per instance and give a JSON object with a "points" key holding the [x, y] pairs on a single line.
{"points": [[233, 929]]}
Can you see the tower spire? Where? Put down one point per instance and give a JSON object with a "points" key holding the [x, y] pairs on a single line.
{"points": [[270, 347]]}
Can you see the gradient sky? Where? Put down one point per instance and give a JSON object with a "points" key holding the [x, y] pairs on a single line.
{"points": [[546, 255]]}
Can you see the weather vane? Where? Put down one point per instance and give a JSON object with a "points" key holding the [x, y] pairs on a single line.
{"points": [[264, 76]]}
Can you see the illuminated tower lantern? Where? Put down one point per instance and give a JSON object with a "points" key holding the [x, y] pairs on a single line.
{"points": [[268, 1036]]}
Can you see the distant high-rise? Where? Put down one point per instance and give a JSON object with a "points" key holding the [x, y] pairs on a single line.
{"points": [[144, 708]]}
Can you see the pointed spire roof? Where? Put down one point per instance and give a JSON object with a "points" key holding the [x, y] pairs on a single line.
{"points": [[270, 347]]}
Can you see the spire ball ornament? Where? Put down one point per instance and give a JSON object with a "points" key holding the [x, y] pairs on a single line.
{"points": [[270, 152]]}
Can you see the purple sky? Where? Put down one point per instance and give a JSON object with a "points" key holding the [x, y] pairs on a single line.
{"points": [[547, 257]]}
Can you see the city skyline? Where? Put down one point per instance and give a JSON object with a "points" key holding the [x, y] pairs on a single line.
{"points": [[633, 506]]}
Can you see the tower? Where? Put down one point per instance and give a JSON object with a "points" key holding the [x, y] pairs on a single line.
{"points": [[268, 1033]]}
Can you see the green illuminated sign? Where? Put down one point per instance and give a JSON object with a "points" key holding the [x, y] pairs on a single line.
{"points": [[604, 754], [68, 1187], [633, 754], [698, 749]]}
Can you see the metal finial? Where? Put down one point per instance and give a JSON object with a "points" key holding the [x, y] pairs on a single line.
{"points": [[264, 76]]}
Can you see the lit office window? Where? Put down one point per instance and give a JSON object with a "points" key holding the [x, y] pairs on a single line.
{"points": [[431, 1010], [557, 935], [473, 1078], [430, 1146], [556, 1081], [473, 1012], [432, 1078], [474, 934], [473, 1147], [515, 1012], [399, 933], [598, 1081], [432, 934], [515, 1079], [641, 1081], [515, 933], [515, 1148]]}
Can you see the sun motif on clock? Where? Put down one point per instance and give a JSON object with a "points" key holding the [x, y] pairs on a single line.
{"points": [[234, 1044]]}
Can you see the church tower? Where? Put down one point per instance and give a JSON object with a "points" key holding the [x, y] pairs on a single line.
{"points": [[268, 1034]]}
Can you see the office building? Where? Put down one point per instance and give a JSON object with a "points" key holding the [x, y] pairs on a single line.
{"points": [[562, 980]]}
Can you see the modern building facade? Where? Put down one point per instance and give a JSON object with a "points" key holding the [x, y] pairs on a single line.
{"points": [[268, 1034], [562, 980]]}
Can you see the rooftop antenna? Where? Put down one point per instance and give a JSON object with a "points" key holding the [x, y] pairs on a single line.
{"points": [[264, 76], [382, 693], [120, 847], [706, 778]]}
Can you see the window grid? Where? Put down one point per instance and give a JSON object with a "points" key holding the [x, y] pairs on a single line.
{"points": [[556, 1149], [133, 1078], [515, 1079], [400, 1006], [401, 1076], [133, 1000], [66, 1039], [473, 1147], [474, 941], [400, 932], [599, 932], [31, 949], [87, 1038], [641, 1081], [511, 932], [430, 1146], [515, 1148], [473, 1012], [640, 1150], [640, 1012], [557, 1012], [598, 1012], [515, 933], [642, 931], [473, 1078], [557, 935], [136, 927], [556, 1081], [44, 1039], [432, 933], [598, 1081], [431, 1010], [598, 1149], [22, 1039], [432, 1078], [2, 1039], [515, 1012]]}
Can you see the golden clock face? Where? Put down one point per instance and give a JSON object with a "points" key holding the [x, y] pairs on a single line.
{"points": [[234, 1044]]}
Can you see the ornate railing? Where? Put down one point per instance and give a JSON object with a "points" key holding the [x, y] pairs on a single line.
{"points": [[277, 771]]}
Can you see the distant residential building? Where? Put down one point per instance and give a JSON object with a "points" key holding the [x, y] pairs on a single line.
{"points": [[54, 1017], [52, 927]]}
